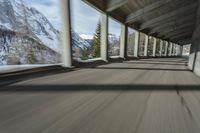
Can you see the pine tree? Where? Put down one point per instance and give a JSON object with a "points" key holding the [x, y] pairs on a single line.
{"points": [[95, 48], [85, 54]]}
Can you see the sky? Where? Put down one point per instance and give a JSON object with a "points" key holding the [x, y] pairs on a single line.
{"points": [[49, 8], [84, 17]]}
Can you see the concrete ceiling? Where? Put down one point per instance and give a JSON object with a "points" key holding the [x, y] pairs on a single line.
{"points": [[170, 20]]}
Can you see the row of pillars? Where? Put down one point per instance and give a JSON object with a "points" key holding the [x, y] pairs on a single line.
{"points": [[170, 49], [67, 43]]}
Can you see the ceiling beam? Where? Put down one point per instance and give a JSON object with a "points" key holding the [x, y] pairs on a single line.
{"points": [[169, 35], [97, 4], [114, 4], [185, 41], [177, 28], [173, 23], [168, 15], [177, 17], [183, 38], [130, 18], [184, 35], [174, 31]]}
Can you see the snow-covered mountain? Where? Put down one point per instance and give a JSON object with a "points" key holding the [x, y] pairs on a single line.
{"points": [[79, 42], [79, 45], [26, 35], [113, 39], [114, 45], [27, 20]]}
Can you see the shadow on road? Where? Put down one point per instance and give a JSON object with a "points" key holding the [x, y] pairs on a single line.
{"points": [[73, 87], [139, 68], [156, 63]]}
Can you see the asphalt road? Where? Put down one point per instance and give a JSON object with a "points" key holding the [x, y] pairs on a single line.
{"points": [[146, 96]]}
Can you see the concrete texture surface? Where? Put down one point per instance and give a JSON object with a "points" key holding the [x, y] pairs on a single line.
{"points": [[143, 96]]}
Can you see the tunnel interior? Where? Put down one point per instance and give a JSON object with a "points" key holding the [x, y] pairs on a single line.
{"points": [[175, 21], [148, 91]]}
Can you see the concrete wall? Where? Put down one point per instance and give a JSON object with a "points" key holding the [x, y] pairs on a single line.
{"points": [[191, 61], [194, 59], [197, 64]]}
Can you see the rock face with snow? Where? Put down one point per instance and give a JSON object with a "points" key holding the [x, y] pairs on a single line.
{"points": [[114, 45], [26, 35], [79, 45], [18, 49]]}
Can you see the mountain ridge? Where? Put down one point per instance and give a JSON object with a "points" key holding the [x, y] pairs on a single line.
{"points": [[21, 22]]}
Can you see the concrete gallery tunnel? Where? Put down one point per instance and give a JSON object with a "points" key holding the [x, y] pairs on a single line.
{"points": [[139, 73]]}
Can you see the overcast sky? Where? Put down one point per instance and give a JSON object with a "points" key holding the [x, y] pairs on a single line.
{"points": [[84, 18], [49, 8]]}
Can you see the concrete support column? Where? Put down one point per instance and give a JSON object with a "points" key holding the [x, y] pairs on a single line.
{"points": [[181, 50], [104, 37], [177, 49], [174, 49], [123, 41], [170, 48], [174, 53], [66, 34], [166, 48], [154, 47], [146, 45], [161, 47], [136, 46]]}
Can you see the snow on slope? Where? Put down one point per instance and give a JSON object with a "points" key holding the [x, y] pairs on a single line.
{"points": [[19, 19], [77, 41], [24, 19], [43, 29]]}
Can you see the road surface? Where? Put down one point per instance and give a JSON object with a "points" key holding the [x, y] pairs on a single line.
{"points": [[145, 96]]}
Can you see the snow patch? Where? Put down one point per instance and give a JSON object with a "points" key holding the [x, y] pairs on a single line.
{"points": [[86, 37]]}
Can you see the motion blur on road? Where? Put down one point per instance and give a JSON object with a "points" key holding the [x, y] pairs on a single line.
{"points": [[144, 96], [99, 66]]}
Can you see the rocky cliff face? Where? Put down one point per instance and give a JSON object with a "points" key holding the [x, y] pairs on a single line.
{"points": [[24, 49], [26, 35]]}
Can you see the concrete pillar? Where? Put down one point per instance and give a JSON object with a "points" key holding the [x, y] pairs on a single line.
{"points": [[146, 45], [66, 34], [136, 46], [154, 47], [166, 48], [123, 41], [174, 50], [177, 50], [161, 47], [170, 49], [181, 50], [104, 37], [172, 54]]}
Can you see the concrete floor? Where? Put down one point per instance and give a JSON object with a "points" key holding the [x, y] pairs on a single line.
{"points": [[146, 96]]}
